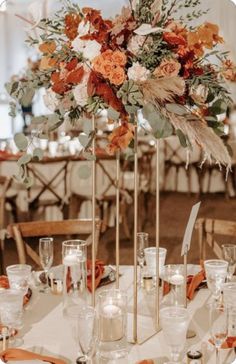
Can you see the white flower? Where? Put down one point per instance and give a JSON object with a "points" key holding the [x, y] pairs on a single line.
{"points": [[138, 73], [80, 91], [50, 99], [199, 93], [83, 28], [89, 48], [136, 43]]}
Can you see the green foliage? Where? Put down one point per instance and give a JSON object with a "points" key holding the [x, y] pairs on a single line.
{"points": [[130, 94], [21, 141], [161, 127]]}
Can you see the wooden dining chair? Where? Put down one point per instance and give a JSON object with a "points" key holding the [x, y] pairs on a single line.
{"points": [[208, 230], [34, 229]]}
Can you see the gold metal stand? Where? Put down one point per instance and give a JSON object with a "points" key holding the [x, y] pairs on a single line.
{"points": [[157, 298], [93, 212], [135, 302], [117, 218]]}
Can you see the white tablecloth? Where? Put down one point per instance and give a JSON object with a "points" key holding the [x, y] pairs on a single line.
{"points": [[46, 331]]}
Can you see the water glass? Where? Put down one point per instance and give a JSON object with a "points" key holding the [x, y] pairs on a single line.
{"points": [[86, 329], [74, 257], [112, 323], [11, 311], [174, 322], [46, 258], [151, 258], [229, 254], [216, 274], [229, 293], [19, 277], [142, 241], [218, 326]]}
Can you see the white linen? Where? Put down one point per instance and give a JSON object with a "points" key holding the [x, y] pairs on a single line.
{"points": [[47, 331]]}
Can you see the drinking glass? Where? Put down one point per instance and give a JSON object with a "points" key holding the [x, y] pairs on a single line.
{"points": [[86, 333], [151, 258], [142, 244], [174, 275], [46, 258], [174, 322], [11, 311], [19, 277], [218, 326], [74, 255], [229, 254], [216, 273]]}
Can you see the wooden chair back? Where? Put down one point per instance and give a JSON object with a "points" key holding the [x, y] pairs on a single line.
{"points": [[4, 185], [208, 229], [38, 229]]}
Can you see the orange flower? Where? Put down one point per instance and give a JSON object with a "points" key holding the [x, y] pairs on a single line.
{"points": [[119, 58], [174, 39], [71, 25], [107, 55], [168, 67], [47, 63], [48, 47], [117, 76], [106, 68], [97, 64], [120, 138]]}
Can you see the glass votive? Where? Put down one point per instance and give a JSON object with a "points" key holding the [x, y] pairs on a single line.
{"points": [[19, 277], [112, 323], [216, 274], [148, 280], [74, 257], [151, 258], [11, 309], [229, 293], [173, 274]]}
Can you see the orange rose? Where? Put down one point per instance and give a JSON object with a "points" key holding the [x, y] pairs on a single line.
{"points": [[107, 55], [119, 58], [168, 67], [118, 76], [107, 68], [97, 63]]}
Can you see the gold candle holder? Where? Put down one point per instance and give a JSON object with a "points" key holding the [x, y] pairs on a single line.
{"points": [[117, 218], [93, 212]]}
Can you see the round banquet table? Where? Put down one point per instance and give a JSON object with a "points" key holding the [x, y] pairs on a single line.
{"points": [[47, 332]]}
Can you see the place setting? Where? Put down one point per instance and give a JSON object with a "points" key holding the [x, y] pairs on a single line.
{"points": [[117, 182]]}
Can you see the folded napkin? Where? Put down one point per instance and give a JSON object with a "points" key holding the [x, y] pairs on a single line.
{"points": [[193, 283], [229, 343], [4, 283], [146, 361], [19, 354], [99, 270]]}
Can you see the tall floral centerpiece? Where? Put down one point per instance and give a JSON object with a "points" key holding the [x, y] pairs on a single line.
{"points": [[146, 60]]}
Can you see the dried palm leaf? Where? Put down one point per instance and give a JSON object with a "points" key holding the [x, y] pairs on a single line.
{"points": [[159, 90], [198, 132]]}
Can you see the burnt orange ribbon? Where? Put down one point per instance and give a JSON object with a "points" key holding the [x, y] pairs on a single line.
{"points": [[19, 354]]}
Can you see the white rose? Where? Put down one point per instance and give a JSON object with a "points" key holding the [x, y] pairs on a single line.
{"points": [[50, 99], [199, 93], [80, 91], [89, 48], [138, 73], [83, 28], [136, 43]]}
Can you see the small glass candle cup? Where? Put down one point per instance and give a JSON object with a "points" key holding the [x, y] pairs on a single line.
{"points": [[112, 323], [19, 277], [151, 258], [173, 274]]}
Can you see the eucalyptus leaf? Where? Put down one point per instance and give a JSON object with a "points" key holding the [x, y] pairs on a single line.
{"points": [[112, 113], [38, 119], [21, 141], [182, 138], [87, 126], [38, 154], [24, 159], [28, 181], [84, 172], [54, 122], [27, 98], [176, 109], [83, 139]]}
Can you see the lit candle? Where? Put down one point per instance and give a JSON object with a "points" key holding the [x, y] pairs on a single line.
{"points": [[111, 323], [177, 279]]}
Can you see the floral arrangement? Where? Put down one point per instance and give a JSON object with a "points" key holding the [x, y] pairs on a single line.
{"points": [[146, 58], [229, 70]]}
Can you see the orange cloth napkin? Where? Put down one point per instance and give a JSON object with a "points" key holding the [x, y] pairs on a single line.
{"points": [[4, 283], [99, 270], [19, 354], [146, 361], [193, 282]]}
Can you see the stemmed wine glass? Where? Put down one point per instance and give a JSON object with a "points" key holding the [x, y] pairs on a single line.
{"points": [[174, 322], [86, 333], [142, 239], [229, 254], [218, 326], [46, 258]]}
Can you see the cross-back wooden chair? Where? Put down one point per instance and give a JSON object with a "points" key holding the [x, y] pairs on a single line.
{"points": [[208, 229], [34, 229]]}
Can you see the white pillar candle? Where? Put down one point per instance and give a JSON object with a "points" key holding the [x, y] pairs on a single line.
{"points": [[111, 323]]}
